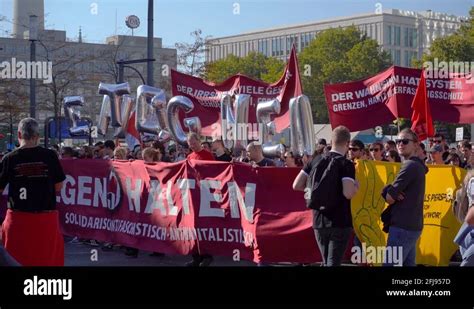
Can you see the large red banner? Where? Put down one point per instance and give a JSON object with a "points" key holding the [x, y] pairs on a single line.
{"points": [[190, 206], [206, 96], [386, 96]]}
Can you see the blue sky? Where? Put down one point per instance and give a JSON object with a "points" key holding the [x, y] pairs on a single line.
{"points": [[175, 19]]}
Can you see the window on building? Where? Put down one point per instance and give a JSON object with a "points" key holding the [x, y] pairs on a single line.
{"points": [[397, 36], [274, 47], [281, 49], [397, 57], [389, 35]]}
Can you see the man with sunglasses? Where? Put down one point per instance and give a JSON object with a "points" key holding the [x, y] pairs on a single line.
{"points": [[406, 195], [376, 151], [356, 150], [436, 155]]}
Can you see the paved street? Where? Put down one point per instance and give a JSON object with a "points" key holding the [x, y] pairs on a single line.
{"points": [[79, 254]]}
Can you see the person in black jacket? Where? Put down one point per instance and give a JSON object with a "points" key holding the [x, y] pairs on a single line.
{"points": [[406, 195]]}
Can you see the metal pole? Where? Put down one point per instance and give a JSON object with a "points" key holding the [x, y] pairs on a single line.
{"points": [[32, 82], [150, 44], [11, 129], [120, 73]]}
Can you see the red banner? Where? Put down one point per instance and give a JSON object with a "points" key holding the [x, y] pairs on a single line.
{"points": [[206, 96], [190, 206], [388, 95]]}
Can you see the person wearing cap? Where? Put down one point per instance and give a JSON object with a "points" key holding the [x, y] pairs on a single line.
{"points": [[436, 154]]}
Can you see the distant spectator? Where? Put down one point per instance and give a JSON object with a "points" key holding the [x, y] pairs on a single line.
{"points": [[393, 156], [151, 154], [255, 153], [376, 151], [67, 152], [219, 151], [390, 145], [120, 153], [356, 150], [86, 152], [206, 146], [109, 147], [436, 154], [454, 159], [290, 160], [467, 155], [161, 151], [98, 150]]}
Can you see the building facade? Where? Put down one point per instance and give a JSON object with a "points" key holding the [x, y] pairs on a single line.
{"points": [[404, 34], [78, 67]]}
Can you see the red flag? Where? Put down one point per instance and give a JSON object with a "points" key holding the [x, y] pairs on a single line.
{"points": [[132, 137], [422, 123], [291, 88]]}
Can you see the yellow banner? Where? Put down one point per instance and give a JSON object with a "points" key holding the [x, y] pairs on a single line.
{"points": [[435, 246]]}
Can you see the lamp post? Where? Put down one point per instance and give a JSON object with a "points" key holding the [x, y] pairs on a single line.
{"points": [[33, 37], [149, 73]]}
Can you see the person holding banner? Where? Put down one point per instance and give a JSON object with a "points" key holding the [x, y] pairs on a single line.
{"points": [[30, 232], [405, 197], [199, 153]]}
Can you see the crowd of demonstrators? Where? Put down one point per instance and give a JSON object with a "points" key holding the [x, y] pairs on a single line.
{"points": [[331, 232]]}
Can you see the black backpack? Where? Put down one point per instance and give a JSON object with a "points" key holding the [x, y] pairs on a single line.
{"points": [[322, 183]]}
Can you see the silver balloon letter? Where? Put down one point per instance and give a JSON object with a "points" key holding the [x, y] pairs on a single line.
{"points": [[115, 92], [174, 105], [301, 126], [72, 111]]}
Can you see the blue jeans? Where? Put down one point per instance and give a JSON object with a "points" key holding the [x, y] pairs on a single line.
{"points": [[406, 240]]}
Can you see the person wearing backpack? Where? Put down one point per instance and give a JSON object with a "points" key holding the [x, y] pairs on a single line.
{"points": [[329, 184]]}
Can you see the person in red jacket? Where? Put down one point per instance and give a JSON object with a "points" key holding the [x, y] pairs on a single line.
{"points": [[199, 153]]}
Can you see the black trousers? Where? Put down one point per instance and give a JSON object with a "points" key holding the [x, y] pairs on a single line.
{"points": [[332, 243]]}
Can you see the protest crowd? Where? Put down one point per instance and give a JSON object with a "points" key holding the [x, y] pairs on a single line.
{"points": [[332, 233]]}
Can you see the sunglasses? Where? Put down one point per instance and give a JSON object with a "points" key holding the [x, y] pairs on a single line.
{"points": [[354, 149], [404, 141], [374, 149]]}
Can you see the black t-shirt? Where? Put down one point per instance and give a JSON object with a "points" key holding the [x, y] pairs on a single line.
{"points": [[266, 162], [31, 174], [339, 217], [224, 158]]}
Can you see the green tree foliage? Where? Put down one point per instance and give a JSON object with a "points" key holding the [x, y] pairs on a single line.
{"points": [[254, 65], [334, 56], [456, 47]]}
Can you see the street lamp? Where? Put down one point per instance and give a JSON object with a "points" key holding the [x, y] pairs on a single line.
{"points": [[150, 55], [33, 37]]}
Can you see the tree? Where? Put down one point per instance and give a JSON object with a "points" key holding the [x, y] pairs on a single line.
{"points": [[338, 55], [254, 65], [455, 47], [191, 55], [458, 46]]}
